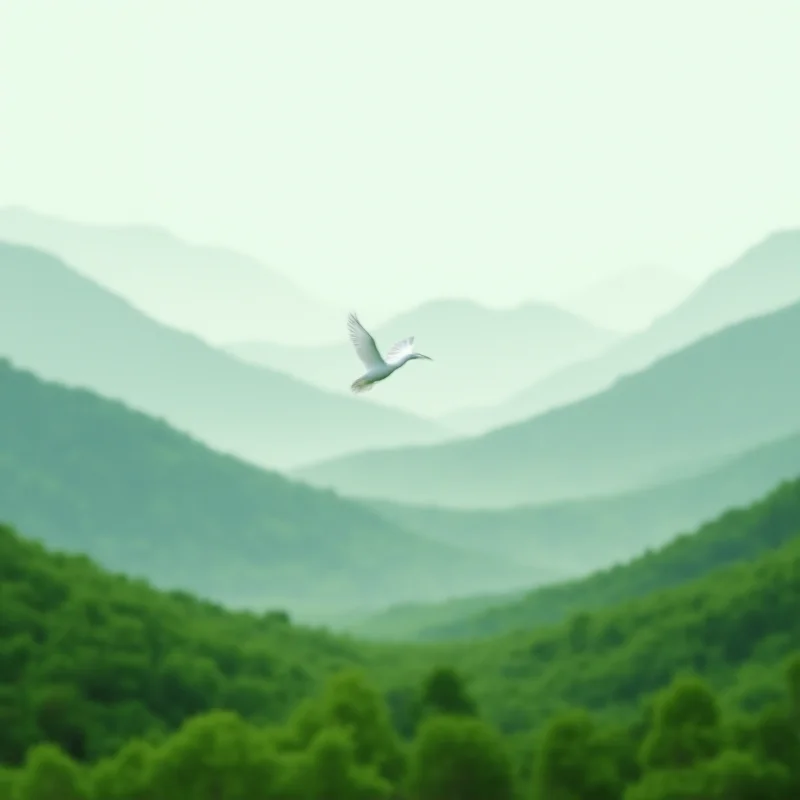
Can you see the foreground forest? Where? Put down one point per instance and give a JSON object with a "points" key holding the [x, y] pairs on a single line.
{"points": [[341, 745], [691, 690]]}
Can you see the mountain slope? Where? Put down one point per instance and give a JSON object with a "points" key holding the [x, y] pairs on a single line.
{"points": [[213, 292], [728, 392], [733, 624], [115, 659], [506, 348], [64, 327], [630, 300], [581, 535], [87, 474], [105, 659], [765, 278], [738, 536]]}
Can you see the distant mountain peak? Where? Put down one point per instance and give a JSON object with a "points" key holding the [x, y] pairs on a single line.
{"points": [[785, 241], [213, 291]]}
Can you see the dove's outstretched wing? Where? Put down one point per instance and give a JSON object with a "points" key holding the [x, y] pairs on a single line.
{"points": [[399, 349], [363, 343]]}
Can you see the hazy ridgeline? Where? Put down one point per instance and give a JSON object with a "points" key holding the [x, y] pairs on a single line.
{"points": [[596, 601]]}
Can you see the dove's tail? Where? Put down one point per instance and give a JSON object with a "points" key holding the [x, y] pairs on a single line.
{"points": [[361, 385]]}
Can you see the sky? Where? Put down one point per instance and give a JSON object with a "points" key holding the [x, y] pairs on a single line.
{"points": [[386, 153]]}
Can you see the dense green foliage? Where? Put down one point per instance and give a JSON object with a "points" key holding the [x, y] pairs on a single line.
{"points": [[89, 659], [726, 393], [339, 744], [737, 535], [104, 658], [729, 626], [87, 474], [110, 689]]}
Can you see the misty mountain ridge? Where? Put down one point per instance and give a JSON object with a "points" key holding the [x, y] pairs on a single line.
{"points": [[765, 278], [733, 390], [480, 354], [67, 328], [213, 292], [630, 300], [594, 532]]}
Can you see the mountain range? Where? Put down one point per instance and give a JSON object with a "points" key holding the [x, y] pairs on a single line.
{"points": [[765, 278], [214, 292], [730, 391], [86, 474], [65, 327], [630, 300], [586, 534], [481, 354]]}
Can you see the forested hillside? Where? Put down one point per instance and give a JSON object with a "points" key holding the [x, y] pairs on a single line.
{"points": [[737, 536], [107, 668]]}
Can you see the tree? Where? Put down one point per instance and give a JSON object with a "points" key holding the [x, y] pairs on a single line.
{"points": [[61, 716], [459, 758], [350, 703], [216, 756], [736, 775], [686, 727], [575, 760], [49, 773], [329, 769], [126, 775], [444, 692], [8, 783]]}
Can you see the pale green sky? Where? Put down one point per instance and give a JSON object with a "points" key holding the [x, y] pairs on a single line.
{"points": [[386, 153]]}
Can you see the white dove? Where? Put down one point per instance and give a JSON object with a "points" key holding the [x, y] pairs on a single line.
{"points": [[377, 368]]}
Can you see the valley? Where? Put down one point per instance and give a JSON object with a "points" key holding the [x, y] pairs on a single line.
{"points": [[399, 402]]}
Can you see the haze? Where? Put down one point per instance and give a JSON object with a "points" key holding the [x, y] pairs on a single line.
{"points": [[384, 154]]}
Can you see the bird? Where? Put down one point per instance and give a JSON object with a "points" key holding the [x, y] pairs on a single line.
{"points": [[378, 368]]}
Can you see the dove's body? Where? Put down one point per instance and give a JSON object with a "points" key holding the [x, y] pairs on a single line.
{"points": [[378, 369], [377, 373]]}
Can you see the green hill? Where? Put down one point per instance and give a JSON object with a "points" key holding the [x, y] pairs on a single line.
{"points": [[103, 658], [66, 328], [89, 659], [87, 474], [763, 279], [738, 535], [732, 626], [459, 335], [731, 391]]}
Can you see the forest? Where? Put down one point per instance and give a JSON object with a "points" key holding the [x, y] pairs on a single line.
{"points": [[690, 690]]}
